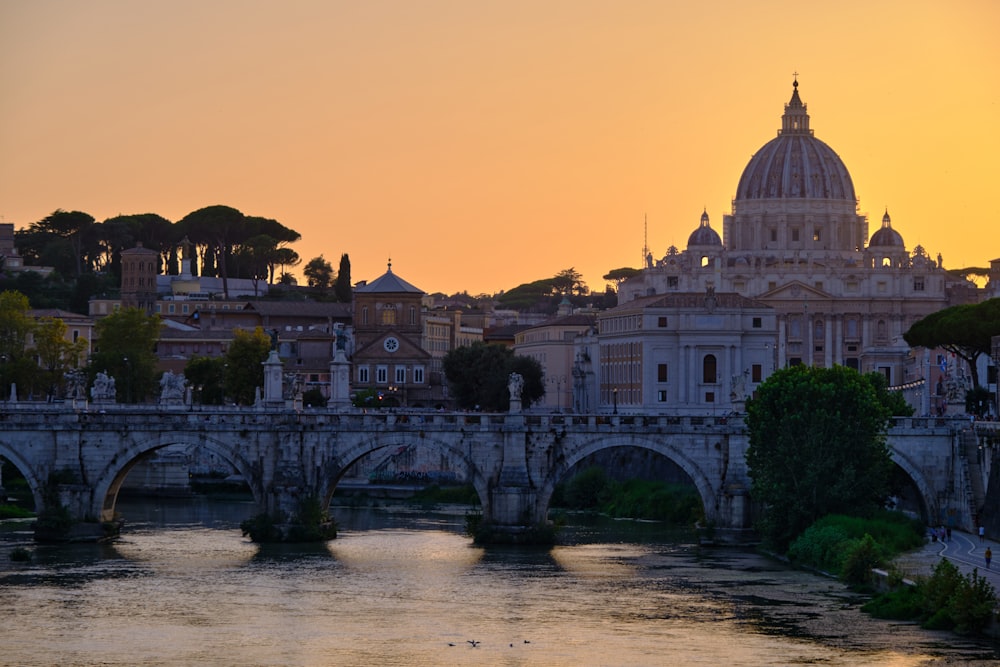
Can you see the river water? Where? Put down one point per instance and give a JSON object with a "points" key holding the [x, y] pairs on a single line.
{"points": [[405, 587]]}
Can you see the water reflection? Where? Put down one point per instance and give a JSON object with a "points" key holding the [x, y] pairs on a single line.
{"points": [[408, 588]]}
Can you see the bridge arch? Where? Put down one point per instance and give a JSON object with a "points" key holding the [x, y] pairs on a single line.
{"points": [[35, 483], [927, 497], [111, 477], [350, 456], [702, 481]]}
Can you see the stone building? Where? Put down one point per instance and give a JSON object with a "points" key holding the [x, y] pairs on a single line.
{"points": [[796, 242]]}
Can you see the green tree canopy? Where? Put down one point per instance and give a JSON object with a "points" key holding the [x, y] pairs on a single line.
{"points": [[56, 354], [618, 276], [206, 376], [342, 286], [125, 344], [963, 330], [817, 447], [244, 370], [478, 374], [318, 273]]}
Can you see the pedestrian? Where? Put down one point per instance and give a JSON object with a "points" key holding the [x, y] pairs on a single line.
{"points": [[948, 533], [982, 534], [988, 556]]}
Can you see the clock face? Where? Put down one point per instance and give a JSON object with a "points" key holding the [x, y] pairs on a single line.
{"points": [[390, 344]]}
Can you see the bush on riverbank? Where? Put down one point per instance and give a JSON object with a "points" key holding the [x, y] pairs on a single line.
{"points": [[593, 490], [447, 495], [850, 547], [946, 600], [14, 512]]}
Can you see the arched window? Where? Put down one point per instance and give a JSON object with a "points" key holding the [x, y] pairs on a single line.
{"points": [[364, 315], [882, 331], [388, 315], [708, 369]]}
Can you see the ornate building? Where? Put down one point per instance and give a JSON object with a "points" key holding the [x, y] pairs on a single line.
{"points": [[796, 241], [388, 355]]}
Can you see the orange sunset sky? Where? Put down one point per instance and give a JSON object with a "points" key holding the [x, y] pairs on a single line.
{"points": [[481, 144]]}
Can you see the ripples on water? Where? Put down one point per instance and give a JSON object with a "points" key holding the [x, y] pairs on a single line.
{"points": [[182, 587]]}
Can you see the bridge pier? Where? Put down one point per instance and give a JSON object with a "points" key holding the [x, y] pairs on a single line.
{"points": [[513, 513]]}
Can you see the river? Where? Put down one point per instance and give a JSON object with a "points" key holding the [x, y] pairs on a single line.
{"points": [[404, 586]]}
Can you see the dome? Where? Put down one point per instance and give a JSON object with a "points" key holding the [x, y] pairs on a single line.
{"points": [[886, 237], [795, 164], [704, 235]]}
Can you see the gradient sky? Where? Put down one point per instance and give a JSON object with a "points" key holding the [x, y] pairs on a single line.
{"points": [[481, 144]]}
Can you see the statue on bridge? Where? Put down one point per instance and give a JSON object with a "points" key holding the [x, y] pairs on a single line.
{"points": [[515, 385], [103, 390], [172, 388]]}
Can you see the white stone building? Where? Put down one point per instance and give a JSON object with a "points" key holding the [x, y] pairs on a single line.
{"points": [[795, 241]]}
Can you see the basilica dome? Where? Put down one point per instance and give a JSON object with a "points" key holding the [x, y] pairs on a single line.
{"points": [[886, 236], [795, 164], [704, 235]]}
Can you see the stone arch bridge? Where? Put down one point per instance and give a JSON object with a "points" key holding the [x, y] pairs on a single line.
{"points": [[514, 460]]}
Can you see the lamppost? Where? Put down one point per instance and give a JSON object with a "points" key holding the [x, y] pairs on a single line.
{"points": [[125, 365], [614, 397]]}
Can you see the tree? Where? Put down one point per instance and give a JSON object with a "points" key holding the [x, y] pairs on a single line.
{"points": [[244, 370], [478, 374], [342, 286], [216, 227], [963, 330], [76, 227], [56, 354], [817, 447], [318, 273], [206, 376], [125, 342], [618, 276], [569, 281], [16, 325]]}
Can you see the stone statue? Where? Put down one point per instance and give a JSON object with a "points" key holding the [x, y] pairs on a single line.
{"points": [[104, 387], [738, 392], [172, 387], [515, 384], [273, 333], [341, 338]]}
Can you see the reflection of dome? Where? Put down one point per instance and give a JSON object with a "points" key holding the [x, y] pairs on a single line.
{"points": [[886, 237], [795, 164], [704, 235]]}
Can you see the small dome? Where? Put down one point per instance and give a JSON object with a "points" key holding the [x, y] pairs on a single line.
{"points": [[704, 235], [886, 237], [795, 164]]}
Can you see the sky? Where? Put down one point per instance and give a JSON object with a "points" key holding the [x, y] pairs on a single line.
{"points": [[480, 145]]}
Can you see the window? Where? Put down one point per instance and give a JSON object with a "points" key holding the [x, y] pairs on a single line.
{"points": [[795, 235], [672, 282], [381, 374], [705, 261], [710, 397], [364, 315], [661, 322], [774, 235], [795, 361], [418, 375], [363, 374], [918, 284], [708, 369], [757, 323], [400, 374], [413, 315], [388, 315], [661, 396], [756, 373], [661, 372], [852, 363], [816, 235]]}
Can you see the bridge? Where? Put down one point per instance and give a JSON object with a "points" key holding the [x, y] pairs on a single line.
{"points": [[81, 455]]}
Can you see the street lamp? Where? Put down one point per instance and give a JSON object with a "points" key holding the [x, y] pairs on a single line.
{"points": [[614, 396]]}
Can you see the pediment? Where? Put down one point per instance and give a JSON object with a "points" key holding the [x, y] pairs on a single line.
{"points": [[404, 348], [795, 290]]}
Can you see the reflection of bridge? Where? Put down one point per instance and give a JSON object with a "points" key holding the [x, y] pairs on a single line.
{"points": [[513, 460]]}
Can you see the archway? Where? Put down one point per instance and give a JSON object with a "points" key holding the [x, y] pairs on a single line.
{"points": [[110, 480], [35, 484], [388, 442], [561, 469], [918, 485]]}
